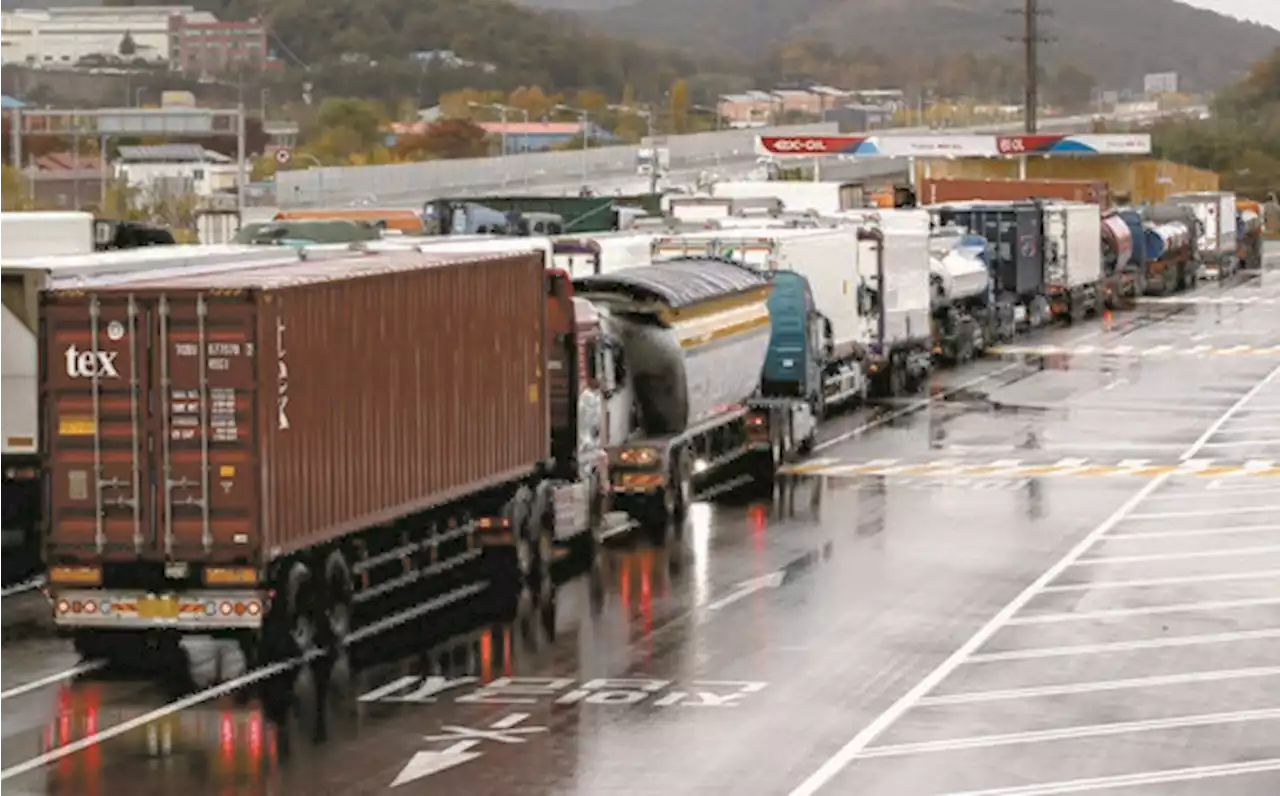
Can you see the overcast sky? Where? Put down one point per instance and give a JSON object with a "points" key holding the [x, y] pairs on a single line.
{"points": [[1265, 11]]}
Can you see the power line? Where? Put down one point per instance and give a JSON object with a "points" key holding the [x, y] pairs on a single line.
{"points": [[1031, 39]]}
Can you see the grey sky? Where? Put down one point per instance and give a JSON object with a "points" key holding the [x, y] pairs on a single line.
{"points": [[1265, 11]]}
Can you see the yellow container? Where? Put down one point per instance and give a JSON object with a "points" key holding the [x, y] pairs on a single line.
{"points": [[1132, 180]]}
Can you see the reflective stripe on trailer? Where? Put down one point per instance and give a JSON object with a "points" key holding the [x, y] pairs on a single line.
{"points": [[195, 610]]}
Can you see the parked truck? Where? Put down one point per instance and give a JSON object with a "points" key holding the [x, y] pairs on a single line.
{"points": [[204, 474], [686, 339], [834, 340], [24, 279], [966, 317], [1217, 241], [1171, 232], [1249, 221], [1046, 256]]}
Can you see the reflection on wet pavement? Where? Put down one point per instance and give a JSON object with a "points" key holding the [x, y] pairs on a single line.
{"points": [[1059, 576]]}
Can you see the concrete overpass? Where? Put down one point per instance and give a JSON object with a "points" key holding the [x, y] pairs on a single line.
{"points": [[730, 153]]}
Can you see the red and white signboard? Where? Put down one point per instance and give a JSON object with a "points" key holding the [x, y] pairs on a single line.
{"points": [[952, 146]]}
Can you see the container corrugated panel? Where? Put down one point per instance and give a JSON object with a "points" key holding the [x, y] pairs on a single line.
{"points": [[942, 190], [340, 394], [1140, 179]]}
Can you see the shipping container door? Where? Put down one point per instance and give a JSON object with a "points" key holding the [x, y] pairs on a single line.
{"points": [[203, 427], [95, 414]]}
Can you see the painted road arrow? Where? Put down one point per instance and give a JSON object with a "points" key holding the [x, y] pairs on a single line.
{"points": [[424, 764]]}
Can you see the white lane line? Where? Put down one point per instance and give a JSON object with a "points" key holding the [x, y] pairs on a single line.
{"points": [[1176, 581], [1224, 490], [22, 588], [200, 697], [1096, 686], [1132, 780], [1192, 554], [1125, 646], [860, 741], [1073, 733], [146, 718], [69, 674], [1173, 515], [1191, 533], [1147, 610]]}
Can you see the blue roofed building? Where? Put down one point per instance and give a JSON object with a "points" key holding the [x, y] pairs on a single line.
{"points": [[541, 136]]}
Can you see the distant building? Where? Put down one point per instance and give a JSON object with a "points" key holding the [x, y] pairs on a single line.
{"points": [[210, 47], [175, 169], [855, 118], [541, 136], [64, 36], [761, 108], [65, 180]]}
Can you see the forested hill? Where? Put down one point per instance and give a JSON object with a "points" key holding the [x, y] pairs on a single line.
{"points": [[1117, 41]]}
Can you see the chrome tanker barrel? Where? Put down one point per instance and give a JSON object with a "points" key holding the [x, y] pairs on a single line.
{"points": [[1165, 239], [694, 334], [1171, 214], [958, 265]]}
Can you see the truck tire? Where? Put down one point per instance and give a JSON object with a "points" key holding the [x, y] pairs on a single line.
{"points": [[339, 590], [657, 517], [682, 480], [541, 533], [290, 627]]}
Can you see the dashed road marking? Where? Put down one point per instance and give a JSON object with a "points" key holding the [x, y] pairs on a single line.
{"points": [[1158, 351], [1264, 301], [1016, 468]]}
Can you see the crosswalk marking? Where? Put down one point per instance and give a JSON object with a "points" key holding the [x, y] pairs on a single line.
{"points": [[1131, 351], [1016, 468]]}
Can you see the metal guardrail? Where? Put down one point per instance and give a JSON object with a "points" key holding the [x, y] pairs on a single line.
{"points": [[409, 183]]}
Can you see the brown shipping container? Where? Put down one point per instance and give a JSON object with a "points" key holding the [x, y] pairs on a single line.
{"points": [[1131, 180], [938, 191], [340, 394]]}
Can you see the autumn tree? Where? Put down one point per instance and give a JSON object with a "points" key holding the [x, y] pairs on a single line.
{"points": [[678, 102], [455, 138]]}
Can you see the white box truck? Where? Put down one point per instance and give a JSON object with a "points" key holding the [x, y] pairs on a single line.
{"points": [[1216, 245], [1073, 259]]}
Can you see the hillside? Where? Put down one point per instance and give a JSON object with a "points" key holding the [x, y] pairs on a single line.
{"points": [[382, 48], [1117, 41]]}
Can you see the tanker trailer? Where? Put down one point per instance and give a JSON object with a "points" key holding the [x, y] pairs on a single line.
{"points": [[1117, 259], [688, 340], [965, 317], [1175, 269]]}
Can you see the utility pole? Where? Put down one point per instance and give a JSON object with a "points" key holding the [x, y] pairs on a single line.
{"points": [[1031, 41]]}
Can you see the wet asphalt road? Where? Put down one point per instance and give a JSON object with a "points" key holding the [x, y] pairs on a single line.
{"points": [[979, 627]]}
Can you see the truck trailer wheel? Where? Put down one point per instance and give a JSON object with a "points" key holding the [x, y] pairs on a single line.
{"points": [[339, 589], [290, 627]]}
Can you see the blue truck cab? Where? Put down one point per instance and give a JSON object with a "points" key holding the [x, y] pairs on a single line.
{"points": [[795, 360]]}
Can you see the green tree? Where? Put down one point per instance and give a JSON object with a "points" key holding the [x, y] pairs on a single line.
{"points": [[678, 102], [127, 46], [361, 121]]}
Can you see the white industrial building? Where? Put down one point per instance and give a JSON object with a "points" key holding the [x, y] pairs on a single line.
{"points": [[63, 36], [174, 169]]}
